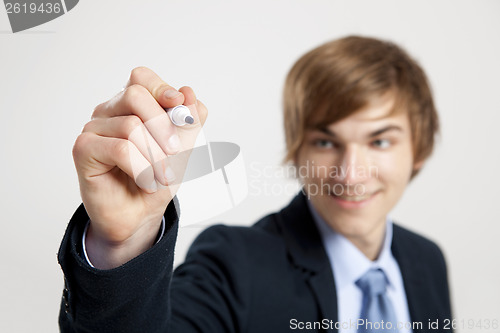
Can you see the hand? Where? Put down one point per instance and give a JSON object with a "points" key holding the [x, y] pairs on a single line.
{"points": [[126, 180]]}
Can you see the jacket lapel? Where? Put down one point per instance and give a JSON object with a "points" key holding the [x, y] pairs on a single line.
{"points": [[411, 267], [308, 254]]}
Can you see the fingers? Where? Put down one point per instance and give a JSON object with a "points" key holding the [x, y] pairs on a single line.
{"points": [[165, 94], [189, 96], [202, 112], [116, 152], [132, 129], [136, 100], [135, 123], [190, 99]]}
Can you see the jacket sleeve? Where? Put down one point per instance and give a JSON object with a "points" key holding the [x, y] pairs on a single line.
{"points": [[133, 297], [211, 292], [208, 293]]}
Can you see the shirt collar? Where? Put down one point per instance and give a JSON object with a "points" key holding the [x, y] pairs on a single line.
{"points": [[345, 257]]}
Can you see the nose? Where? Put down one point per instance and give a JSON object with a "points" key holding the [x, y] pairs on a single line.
{"points": [[354, 166]]}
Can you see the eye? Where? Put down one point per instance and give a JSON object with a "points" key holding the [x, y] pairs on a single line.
{"points": [[381, 143], [324, 143]]}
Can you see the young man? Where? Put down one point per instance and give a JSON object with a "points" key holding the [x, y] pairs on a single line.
{"points": [[359, 119]]}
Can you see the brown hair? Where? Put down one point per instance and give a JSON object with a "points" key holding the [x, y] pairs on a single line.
{"points": [[338, 78]]}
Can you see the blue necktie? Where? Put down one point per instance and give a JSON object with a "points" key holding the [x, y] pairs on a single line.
{"points": [[377, 307]]}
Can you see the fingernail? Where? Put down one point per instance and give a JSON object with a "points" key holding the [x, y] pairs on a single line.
{"points": [[174, 143], [169, 175], [171, 93]]}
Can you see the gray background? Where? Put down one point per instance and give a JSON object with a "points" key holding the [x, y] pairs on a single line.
{"points": [[236, 55]]}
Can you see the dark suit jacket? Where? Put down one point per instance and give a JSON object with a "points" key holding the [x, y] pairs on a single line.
{"points": [[234, 279]]}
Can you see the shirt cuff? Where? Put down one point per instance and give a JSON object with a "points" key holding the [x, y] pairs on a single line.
{"points": [[84, 236]]}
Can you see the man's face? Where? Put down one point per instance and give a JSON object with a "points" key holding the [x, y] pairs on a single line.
{"points": [[355, 170]]}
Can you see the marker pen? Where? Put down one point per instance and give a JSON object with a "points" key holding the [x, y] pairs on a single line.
{"points": [[180, 115]]}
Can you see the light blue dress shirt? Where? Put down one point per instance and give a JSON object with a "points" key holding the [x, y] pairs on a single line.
{"points": [[349, 264]]}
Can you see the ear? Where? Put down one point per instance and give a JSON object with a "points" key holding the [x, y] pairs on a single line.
{"points": [[418, 165]]}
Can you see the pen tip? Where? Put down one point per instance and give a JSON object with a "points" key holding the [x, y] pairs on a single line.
{"points": [[189, 120]]}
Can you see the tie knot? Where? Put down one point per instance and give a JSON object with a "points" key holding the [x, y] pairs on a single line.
{"points": [[373, 282]]}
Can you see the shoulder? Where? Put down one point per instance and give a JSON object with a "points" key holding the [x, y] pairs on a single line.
{"points": [[418, 247], [421, 259], [292, 220], [264, 232], [403, 235], [240, 254]]}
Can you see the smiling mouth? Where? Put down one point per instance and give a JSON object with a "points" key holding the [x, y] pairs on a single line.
{"points": [[354, 198]]}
